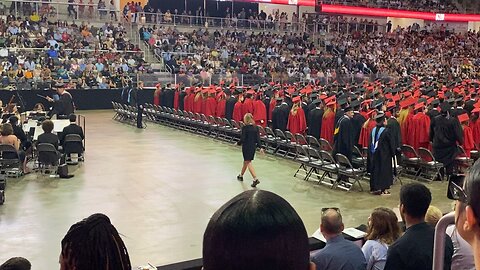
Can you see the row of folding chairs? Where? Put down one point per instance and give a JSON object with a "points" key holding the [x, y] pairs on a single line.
{"points": [[421, 164], [125, 113]]}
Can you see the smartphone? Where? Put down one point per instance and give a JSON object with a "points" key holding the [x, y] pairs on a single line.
{"points": [[457, 179]]}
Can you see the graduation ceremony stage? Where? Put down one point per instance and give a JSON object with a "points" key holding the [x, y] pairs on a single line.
{"points": [[160, 186]]}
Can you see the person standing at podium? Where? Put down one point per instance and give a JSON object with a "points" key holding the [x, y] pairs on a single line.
{"points": [[63, 105]]}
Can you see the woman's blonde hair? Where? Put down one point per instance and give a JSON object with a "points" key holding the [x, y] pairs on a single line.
{"points": [[248, 119], [403, 116], [433, 215]]}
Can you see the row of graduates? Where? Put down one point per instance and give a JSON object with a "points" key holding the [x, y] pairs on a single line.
{"points": [[315, 114]]}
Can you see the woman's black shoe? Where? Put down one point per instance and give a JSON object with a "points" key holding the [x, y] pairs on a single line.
{"points": [[255, 183], [240, 178]]}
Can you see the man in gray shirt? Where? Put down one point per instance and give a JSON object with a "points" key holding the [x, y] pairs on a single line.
{"points": [[339, 253]]}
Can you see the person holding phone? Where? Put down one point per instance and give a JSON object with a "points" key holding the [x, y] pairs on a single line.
{"points": [[250, 140], [62, 104]]}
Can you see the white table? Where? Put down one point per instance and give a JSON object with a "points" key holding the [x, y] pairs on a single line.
{"points": [[58, 126]]}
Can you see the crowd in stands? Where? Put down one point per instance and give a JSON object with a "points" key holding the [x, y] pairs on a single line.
{"points": [[429, 51], [34, 52], [94, 243], [446, 6]]}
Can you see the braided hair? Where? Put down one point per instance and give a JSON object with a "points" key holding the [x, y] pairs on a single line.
{"points": [[94, 244]]}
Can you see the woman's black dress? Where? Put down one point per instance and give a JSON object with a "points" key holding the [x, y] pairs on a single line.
{"points": [[249, 141]]}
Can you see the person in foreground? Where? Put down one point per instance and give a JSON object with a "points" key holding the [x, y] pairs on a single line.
{"points": [[382, 231], [16, 263], [249, 140], [339, 253], [467, 210], [414, 250], [94, 244], [256, 230]]}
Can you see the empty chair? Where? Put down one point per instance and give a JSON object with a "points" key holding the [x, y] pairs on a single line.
{"points": [[315, 163], [329, 168], [358, 159], [410, 160], [300, 139], [430, 169], [313, 142], [9, 160], [290, 145], [304, 159], [347, 170], [325, 145], [462, 161], [282, 143], [73, 144]]}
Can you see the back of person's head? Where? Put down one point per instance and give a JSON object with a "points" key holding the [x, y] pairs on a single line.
{"points": [[47, 126], [433, 215], [94, 244], [16, 263], [7, 129], [331, 222], [383, 226], [73, 118], [13, 120], [415, 199], [248, 119], [256, 230]]}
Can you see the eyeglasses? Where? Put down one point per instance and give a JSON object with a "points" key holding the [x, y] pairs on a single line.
{"points": [[330, 208], [457, 192]]}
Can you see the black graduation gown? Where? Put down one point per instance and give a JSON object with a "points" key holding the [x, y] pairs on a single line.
{"points": [[229, 105], [266, 102], [445, 132], [181, 100], [395, 132], [162, 98], [357, 122], [305, 110], [379, 163], [458, 111], [280, 117], [469, 105], [169, 97], [433, 113], [339, 114], [343, 141], [314, 123]]}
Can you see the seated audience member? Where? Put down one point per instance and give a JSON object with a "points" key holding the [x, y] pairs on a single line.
{"points": [[339, 253], [94, 244], [48, 136], [73, 128], [467, 210], [462, 251], [9, 138], [382, 231], [16, 263], [414, 250], [18, 131], [38, 107], [433, 215], [256, 230]]}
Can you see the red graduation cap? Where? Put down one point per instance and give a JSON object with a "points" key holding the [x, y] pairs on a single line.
{"points": [[477, 105], [419, 106], [331, 103], [430, 100], [407, 94], [396, 98], [408, 102], [388, 96], [391, 104], [371, 113], [463, 118], [296, 99], [330, 99], [212, 91], [323, 97], [251, 91], [476, 110]]}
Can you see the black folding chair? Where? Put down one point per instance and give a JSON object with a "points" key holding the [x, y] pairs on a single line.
{"points": [[329, 168], [347, 170], [304, 158]]}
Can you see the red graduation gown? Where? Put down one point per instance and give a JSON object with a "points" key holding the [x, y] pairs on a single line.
{"points": [[468, 142], [210, 106], [204, 105], [260, 113], [419, 130], [197, 104], [328, 126], [297, 123], [247, 106], [237, 112], [175, 100], [220, 110], [366, 132], [156, 99], [475, 126], [188, 103]]}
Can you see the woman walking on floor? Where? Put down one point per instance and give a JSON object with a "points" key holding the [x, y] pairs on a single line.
{"points": [[249, 140]]}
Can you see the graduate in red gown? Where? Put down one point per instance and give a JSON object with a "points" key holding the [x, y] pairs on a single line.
{"points": [[468, 142], [175, 97], [189, 99], [273, 103], [221, 105], [204, 100], [156, 94], [367, 128], [420, 128], [197, 102], [328, 122], [259, 112], [405, 120], [248, 103], [211, 103], [296, 119], [237, 110], [475, 126]]}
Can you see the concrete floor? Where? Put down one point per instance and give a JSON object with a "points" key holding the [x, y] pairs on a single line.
{"points": [[159, 186]]}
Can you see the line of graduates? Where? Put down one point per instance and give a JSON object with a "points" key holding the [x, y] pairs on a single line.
{"points": [[409, 107]]}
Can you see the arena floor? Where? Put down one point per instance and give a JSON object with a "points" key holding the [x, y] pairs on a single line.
{"points": [[159, 186]]}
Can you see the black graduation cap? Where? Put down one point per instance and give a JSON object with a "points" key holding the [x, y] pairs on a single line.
{"points": [[378, 104], [355, 103], [59, 85], [451, 100], [316, 101], [448, 94], [342, 101], [435, 102], [279, 99], [348, 109], [314, 95], [379, 115], [420, 100], [459, 99], [445, 106]]}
